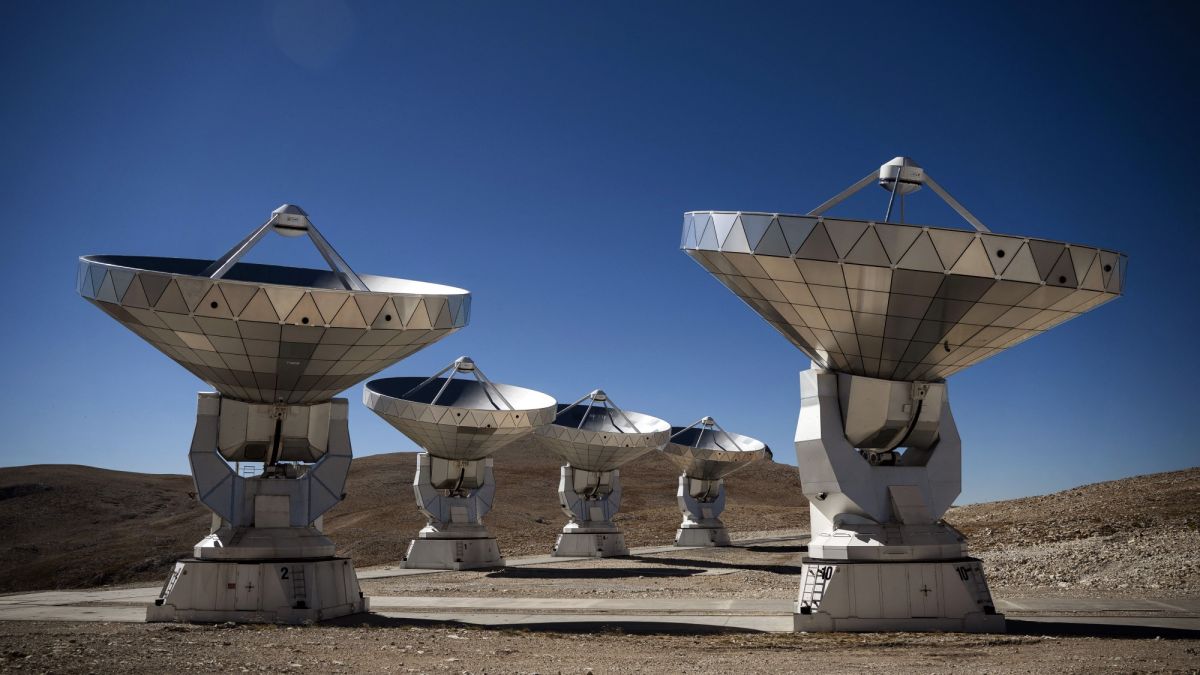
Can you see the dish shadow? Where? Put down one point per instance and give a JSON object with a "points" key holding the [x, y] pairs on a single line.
{"points": [[787, 570], [1131, 631], [644, 627], [767, 548], [587, 573]]}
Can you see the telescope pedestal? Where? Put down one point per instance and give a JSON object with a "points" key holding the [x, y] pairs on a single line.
{"points": [[701, 502], [577, 544], [266, 559], [591, 499], [894, 596], [881, 558], [291, 591], [454, 495]]}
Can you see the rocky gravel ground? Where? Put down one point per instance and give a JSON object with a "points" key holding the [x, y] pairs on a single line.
{"points": [[769, 570], [1096, 567], [1136, 536], [1155, 564], [156, 648]]}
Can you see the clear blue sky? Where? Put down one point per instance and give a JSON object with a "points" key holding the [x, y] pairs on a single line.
{"points": [[542, 155]]}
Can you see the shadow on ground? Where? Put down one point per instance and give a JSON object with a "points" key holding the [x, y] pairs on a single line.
{"points": [[1015, 627], [1105, 630], [588, 573], [767, 548], [713, 564], [549, 625]]}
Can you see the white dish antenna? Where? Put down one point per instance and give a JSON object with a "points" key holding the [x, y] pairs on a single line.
{"points": [[458, 413], [594, 434], [705, 451], [272, 333]]}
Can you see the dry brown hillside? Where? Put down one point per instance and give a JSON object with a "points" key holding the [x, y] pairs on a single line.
{"points": [[65, 526], [1158, 501], [1133, 536], [73, 526]]}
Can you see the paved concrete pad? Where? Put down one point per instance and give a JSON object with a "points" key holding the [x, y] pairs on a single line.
{"points": [[1056, 615], [1098, 605], [387, 571], [684, 623], [141, 596], [131, 614], [671, 614], [636, 606]]}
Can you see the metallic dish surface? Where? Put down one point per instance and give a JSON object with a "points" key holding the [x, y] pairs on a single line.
{"points": [[469, 421], [604, 441], [710, 454], [896, 301], [267, 333]]}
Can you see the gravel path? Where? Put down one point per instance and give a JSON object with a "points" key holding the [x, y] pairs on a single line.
{"points": [[158, 648]]}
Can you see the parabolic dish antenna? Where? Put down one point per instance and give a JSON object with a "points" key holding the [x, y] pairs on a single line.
{"points": [[277, 343], [706, 454], [272, 334], [593, 434], [459, 423], [886, 311], [706, 451], [459, 419], [596, 438], [898, 301]]}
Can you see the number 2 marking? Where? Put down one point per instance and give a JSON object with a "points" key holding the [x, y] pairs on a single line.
{"points": [[283, 572]]}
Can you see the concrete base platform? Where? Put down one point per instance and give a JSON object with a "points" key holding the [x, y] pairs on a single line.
{"points": [[453, 554], [279, 591], [824, 623], [590, 545], [854, 596], [702, 536]]}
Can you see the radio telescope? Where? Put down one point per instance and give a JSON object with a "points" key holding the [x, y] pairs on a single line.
{"points": [[706, 454], [459, 423], [886, 311], [277, 343], [595, 440]]}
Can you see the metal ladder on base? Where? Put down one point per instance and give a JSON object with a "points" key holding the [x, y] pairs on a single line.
{"points": [[299, 589], [813, 589], [168, 586]]}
